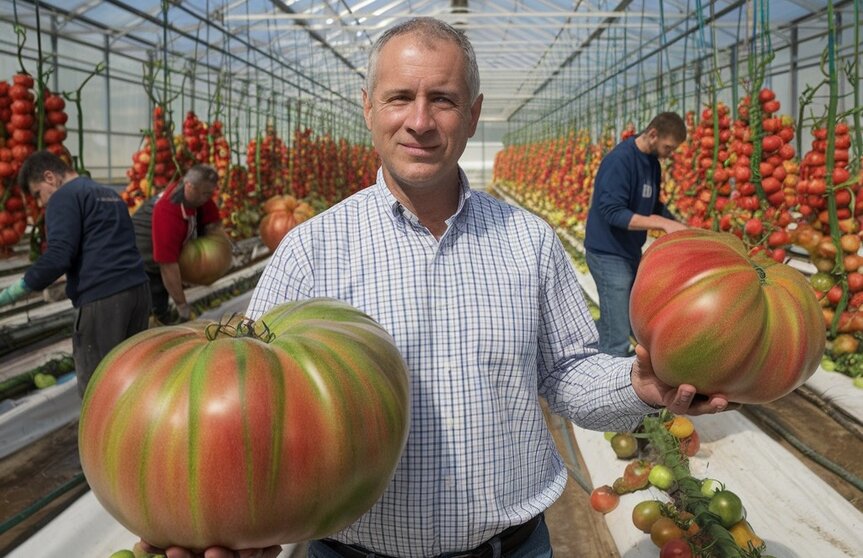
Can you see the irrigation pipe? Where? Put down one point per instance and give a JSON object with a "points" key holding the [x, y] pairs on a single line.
{"points": [[36, 506], [798, 444]]}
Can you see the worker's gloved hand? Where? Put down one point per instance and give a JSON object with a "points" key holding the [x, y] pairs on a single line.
{"points": [[13, 292]]}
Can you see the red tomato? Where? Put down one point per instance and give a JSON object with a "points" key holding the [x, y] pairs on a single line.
{"points": [[771, 143], [690, 445], [778, 238], [691, 284], [754, 228], [604, 499], [676, 548], [771, 106], [766, 94]]}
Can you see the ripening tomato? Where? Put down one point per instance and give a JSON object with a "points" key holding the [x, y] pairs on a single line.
{"points": [[636, 472], [645, 514], [680, 427], [692, 284], [603, 499], [663, 530], [744, 536]]}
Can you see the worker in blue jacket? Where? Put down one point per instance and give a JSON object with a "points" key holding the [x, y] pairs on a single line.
{"points": [[91, 241], [624, 207]]}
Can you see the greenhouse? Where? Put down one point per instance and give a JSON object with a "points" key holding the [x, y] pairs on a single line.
{"points": [[407, 279]]}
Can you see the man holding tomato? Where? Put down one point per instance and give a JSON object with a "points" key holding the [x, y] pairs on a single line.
{"points": [[163, 225], [91, 241], [625, 205], [483, 303]]}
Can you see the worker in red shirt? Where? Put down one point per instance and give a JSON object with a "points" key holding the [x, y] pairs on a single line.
{"points": [[163, 225]]}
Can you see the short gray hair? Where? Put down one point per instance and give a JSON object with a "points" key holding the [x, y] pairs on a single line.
{"points": [[201, 174], [428, 28]]}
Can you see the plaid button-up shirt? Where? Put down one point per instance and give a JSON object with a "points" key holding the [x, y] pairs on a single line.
{"points": [[487, 318]]}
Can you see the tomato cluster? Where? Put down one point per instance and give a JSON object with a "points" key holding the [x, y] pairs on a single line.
{"points": [[701, 517], [153, 166], [202, 143]]}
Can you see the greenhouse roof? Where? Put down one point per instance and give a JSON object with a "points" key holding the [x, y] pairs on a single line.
{"points": [[536, 57]]}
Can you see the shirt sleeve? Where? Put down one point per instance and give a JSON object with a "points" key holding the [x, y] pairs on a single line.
{"points": [[169, 231], [288, 276], [592, 389], [63, 225], [613, 190]]}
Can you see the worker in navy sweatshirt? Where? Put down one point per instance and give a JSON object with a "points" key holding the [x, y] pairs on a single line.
{"points": [[90, 239], [625, 205]]}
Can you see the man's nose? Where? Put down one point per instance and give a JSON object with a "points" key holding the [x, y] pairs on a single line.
{"points": [[421, 119]]}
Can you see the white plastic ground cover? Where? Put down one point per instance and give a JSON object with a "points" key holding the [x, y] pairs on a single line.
{"points": [[38, 414], [792, 509], [84, 530]]}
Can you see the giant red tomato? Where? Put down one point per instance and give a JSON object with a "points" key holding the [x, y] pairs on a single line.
{"points": [[711, 316], [205, 259], [204, 434]]}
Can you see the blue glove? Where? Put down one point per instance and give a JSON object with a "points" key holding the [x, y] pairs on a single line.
{"points": [[14, 292]]}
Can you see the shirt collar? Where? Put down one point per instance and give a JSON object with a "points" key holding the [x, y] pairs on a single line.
{"points": [[400, 214]]}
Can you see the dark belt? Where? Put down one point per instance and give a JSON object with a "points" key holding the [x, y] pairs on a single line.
{"points": [[510, 539]]}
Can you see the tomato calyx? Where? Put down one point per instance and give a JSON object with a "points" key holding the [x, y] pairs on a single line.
{"points": [[236, 326]]}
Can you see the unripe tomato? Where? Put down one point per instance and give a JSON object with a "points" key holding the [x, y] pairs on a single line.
{"points": [[624, 445], [661, 477], [727, 506]]}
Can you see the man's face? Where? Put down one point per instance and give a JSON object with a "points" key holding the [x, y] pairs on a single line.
{"points": [[198, 194], [45, 187], [662, 146], [419, 112]]}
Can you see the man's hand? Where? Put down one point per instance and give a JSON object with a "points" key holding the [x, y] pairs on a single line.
{"points": [[681, 400], [185, 311], [214, 552], [13, 292]]}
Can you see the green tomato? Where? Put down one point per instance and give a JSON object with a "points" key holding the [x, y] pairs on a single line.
{"points": [[661, 477], [727, 506], [709, 487], [608, 436], [123, 554], [624, 445], [828, 364], [858, 382]]}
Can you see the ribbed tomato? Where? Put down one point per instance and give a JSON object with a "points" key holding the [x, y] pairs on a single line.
{"points": [[202, 434], [711, 316], [205, 259]]}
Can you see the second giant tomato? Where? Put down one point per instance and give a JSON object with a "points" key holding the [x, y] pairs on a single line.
{"points": [[714, 317]]}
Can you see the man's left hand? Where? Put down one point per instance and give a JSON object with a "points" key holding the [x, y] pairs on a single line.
{"points": [[682, 400]]}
